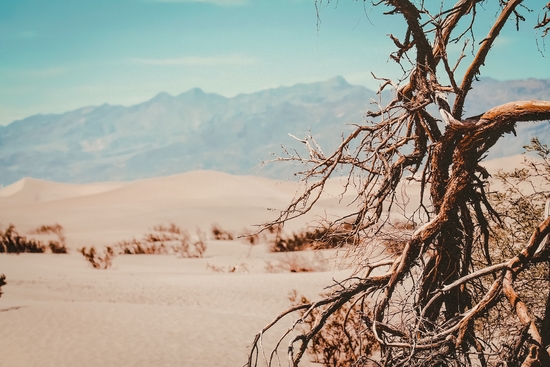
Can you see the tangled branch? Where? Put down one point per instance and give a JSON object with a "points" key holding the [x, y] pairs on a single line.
{"points": [[427, 303]]}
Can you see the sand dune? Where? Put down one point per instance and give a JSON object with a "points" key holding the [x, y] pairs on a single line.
{"points": [[100, 214], [153, 310], [31, 190]]}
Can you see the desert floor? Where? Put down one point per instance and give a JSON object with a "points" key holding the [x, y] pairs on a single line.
{"points": [[155, 310]]}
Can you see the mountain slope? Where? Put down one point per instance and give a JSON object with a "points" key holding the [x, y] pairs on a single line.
{"points": [[198, 130]]}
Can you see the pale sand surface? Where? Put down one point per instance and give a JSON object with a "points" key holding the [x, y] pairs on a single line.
{"points": [[152, 310], [147, 310]]}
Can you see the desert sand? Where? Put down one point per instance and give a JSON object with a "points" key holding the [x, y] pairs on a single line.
{"points": [[154, 310]]}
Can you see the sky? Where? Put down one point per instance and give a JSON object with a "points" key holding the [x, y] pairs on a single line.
{"points": [[59, 55]]}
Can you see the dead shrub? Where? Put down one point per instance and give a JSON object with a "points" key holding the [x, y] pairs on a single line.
{"points": [[252, 239], [394, 247], [408, 225], [98, 261], [150, 245], [188, 246], [294, 263], [12, 242], [395, 239], [169, 239], [221, 234], [346, 338], [320, 238], [56, 247], [161, 241], [2, 283]]}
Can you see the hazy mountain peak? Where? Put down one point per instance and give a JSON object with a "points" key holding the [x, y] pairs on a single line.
{"points": [[198, 130], [194, 92], [162, 96], [338, 81]]}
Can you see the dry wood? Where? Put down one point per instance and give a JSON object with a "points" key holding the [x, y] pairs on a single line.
{"points": [[428, 305]]}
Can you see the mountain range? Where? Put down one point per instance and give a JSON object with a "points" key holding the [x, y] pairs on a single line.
{"points": [[198, 130]]}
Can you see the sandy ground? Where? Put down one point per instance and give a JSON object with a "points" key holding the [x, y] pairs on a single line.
{"points": [[153, 310], [148, 310]]}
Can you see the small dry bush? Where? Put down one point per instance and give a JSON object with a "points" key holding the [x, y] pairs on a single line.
{"points": [[346, 338], [394, 247], [56, 247], [12, 242], [294, 263], [160, 241], [321, 237], [169, 239], [395, 240], [98, 261], [2, 283], [147, 246], [252, 239], [221, 234]]}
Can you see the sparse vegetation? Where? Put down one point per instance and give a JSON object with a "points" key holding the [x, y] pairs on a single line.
{"points": [[12, 242], [99, 261], [2, 283], [161, 240], [56, 247], [296, 263], [169, 239], [221, 234], [147, 246], [252, 239], [319, 238], [346, 338]]}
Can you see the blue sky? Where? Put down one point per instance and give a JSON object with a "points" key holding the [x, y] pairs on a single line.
{"points": [[58, 55]]}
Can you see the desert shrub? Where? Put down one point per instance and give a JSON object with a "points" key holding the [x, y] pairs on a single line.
{"points": [[150, 245], [294, 263], [188, 246], [2, 283], [161, 240], [269, 234], [166, 240], [394, 247], [220, 234], [98, 261], [56, 247], [317, 239], [346, 338], [252, 239], [12, 242], [396, 238], [291, 264]]}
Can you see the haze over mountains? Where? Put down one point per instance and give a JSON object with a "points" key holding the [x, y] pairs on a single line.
{"points": [[198, 130]]}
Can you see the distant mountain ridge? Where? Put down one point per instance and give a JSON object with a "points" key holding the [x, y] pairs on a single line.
{"points": [[198, 130]]}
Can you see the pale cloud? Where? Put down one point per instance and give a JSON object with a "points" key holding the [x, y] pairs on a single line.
{"points": [[215, 2], [198, 61]]}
